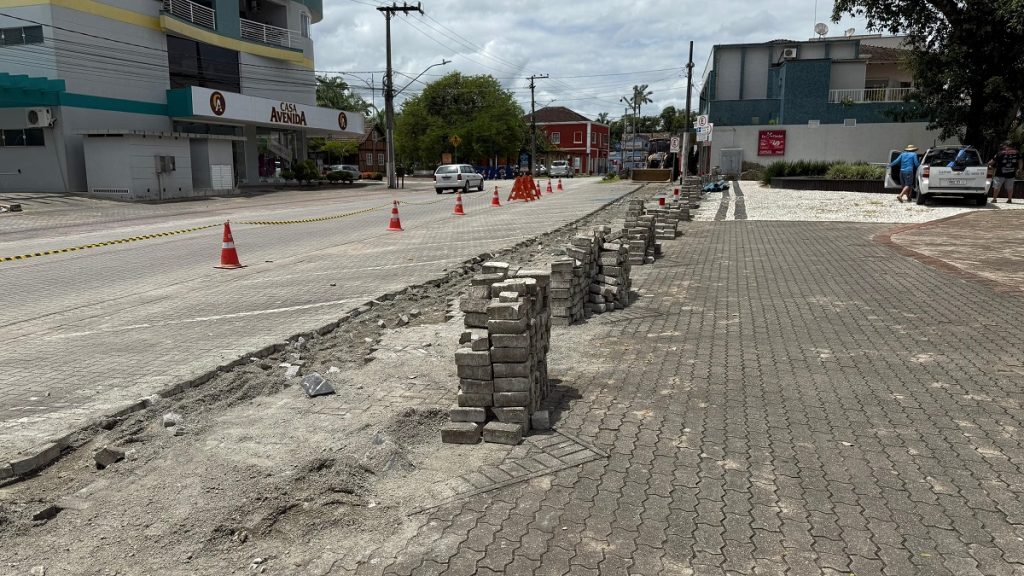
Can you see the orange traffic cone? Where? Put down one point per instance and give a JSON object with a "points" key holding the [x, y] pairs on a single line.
{"points": [[560, 189], [228, 254], [495, 201], [550, 191], [396, 223], [458, 205]]}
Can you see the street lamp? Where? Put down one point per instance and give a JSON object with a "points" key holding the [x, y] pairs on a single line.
{"points": [[389, 135]]}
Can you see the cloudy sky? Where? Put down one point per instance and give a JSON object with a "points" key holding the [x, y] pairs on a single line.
{"points": [[593, 50]]}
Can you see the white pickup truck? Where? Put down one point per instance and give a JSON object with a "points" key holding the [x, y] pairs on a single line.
{"points": [[948, 171]]}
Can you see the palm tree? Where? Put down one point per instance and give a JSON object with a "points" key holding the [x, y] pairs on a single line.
{"points": [[641, 96], [602, 118]]}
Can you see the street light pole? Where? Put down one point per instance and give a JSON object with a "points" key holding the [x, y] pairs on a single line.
{"points": [[533, 122], [389, 88]]}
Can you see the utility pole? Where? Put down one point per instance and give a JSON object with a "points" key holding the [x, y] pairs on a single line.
{"points": [[533, 121], [686, 135], [389, 87]]}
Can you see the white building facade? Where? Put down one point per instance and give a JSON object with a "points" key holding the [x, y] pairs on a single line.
{"points": [[157, 99]]}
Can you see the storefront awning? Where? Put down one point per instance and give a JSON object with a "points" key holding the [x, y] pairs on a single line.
{"points": [[220, 107]]}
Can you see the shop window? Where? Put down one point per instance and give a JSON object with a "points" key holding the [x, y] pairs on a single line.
{"points": [[192, 63], [21, 35], [19, 138]]}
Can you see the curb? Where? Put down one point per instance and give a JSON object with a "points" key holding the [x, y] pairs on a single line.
{"points": [[34, 460]]}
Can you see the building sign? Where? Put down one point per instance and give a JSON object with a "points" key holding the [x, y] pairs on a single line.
{"points": [[771, 142], [288, 113], [230, 107], [218, 105]]}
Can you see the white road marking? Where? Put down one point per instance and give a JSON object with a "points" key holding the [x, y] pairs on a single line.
{"points": [[201, 319]]}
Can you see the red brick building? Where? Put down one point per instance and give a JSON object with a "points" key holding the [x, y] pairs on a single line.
{"points": [[583, 142]]}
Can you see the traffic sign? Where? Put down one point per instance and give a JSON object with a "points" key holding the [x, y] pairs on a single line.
{"points": [[674, 145], [702, 121], [704, 133]]}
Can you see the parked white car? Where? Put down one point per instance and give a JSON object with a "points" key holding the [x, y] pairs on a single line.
{"points": [[457, 177], [561, 169], [947, 171]]}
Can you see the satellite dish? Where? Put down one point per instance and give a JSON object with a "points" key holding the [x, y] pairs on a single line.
{"points": [[849, 32], [820, 29]]}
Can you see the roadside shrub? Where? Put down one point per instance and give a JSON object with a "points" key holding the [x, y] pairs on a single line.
{"points": [[371, 175], [784, 168], [855, 171], [306, 171], [287, 175], [334, 177]]}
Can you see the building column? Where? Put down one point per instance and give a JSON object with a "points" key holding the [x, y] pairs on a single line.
{"points": [[252, 155]]}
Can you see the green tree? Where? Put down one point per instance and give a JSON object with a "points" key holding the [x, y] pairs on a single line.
{"points": [[602, 118], [674, 120], [334, 92], [486, 118], [965, 57], [641, 96]]}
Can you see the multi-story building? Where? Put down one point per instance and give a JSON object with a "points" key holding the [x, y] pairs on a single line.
{"points": [[581, 141], [827, 99], [152, 99]]}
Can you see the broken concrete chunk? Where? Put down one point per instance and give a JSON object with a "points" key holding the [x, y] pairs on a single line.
{"points": [[315, 385], [172, 419], [292, 371], [107, 456], [403, 320], [382, 324]]}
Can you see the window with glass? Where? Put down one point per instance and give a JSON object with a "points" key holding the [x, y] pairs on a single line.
{"points": [[380, 159], [304, 25], [21, 35], [192, 63], [22, 138], [577, 137], [556, 137], [369, 158]]}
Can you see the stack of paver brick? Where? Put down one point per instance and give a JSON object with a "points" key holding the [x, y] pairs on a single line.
{"points": [[666, 222], [639, 229], [502, 366], [611, 283], [567, 292]]}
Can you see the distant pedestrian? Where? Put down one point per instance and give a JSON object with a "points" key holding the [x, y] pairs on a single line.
{"points": [[1006, 164], [908, 163]]}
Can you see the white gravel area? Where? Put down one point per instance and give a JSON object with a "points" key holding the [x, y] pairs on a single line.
{"points": [[765, 203]]}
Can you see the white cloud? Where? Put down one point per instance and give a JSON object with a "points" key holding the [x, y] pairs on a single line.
{"points": [[593, 50]]}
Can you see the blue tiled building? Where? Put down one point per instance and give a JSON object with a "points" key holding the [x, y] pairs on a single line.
{"points": [[828, 81]]}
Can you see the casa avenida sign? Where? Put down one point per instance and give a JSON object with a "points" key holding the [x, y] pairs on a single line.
{"points": [[229, 107]]}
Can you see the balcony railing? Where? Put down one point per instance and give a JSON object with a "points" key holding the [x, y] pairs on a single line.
{"points": [[862, 95], [192, 12], [266, 34]]}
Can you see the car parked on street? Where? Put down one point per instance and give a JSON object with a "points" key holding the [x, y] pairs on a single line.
{"points": [[561, 169], [342, 173], [947, 171], [457, 177]]}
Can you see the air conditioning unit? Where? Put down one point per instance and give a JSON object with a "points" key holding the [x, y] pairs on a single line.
{"points": [[789, 53], [38, 117]]}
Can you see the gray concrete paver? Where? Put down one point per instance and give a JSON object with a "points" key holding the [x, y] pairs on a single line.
{"points": [[815, 417]]}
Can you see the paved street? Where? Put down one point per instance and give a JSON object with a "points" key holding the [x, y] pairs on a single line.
{"points": [[86, 332], [784, 398]]}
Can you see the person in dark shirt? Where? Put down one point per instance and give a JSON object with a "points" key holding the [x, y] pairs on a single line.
{"points": [[1005, 164]]}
